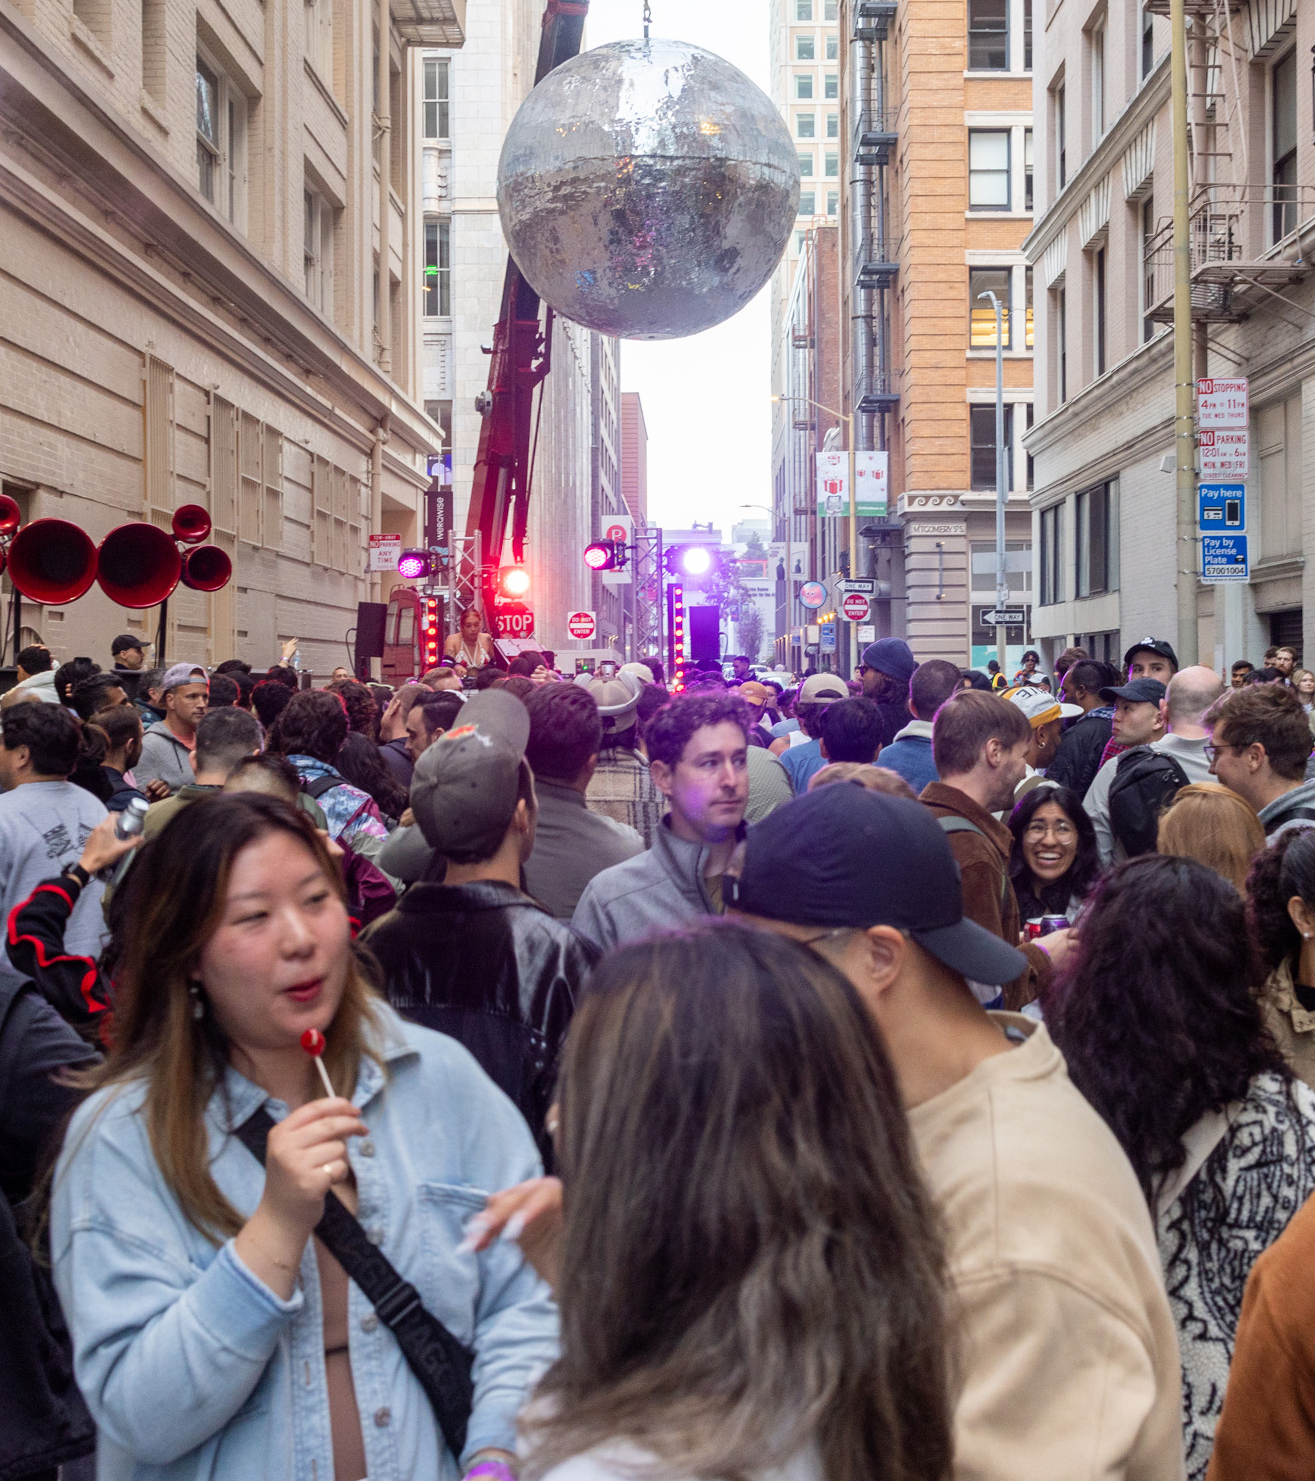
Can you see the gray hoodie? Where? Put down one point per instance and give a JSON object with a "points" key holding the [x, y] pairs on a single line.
{"points": [[1295, 809], [166, 757], [658, 890]]}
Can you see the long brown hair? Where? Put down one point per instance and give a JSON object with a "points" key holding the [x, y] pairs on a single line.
{"points": [[750, 1262], [176, 900], [1214, 826]]}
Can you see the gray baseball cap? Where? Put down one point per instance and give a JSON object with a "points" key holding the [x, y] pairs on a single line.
{"points": [[183, 673], [464, 787]]}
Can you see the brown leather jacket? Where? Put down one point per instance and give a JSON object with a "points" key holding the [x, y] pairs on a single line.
{"points": [[988, 895]]}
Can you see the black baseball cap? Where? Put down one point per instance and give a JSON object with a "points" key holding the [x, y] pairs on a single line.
{"points": [[1136, 691], [1153, 645], [124, 641], [464, 788], [847, 857]]}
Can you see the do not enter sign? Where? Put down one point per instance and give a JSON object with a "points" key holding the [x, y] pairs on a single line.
{"points": [[581, 624], [855, 606]]}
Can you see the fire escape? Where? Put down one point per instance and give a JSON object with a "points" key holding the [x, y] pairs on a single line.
{"points": [[1242, 236]]}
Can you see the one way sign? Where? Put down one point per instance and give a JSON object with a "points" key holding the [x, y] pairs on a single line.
{"points": [[1003, 617]]}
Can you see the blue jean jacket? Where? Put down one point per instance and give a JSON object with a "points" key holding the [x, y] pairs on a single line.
{"points": [[195, 1371]]}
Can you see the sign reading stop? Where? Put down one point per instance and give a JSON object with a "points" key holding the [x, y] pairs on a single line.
{"points": [[513, 620], [855, 606], [581, 624]]}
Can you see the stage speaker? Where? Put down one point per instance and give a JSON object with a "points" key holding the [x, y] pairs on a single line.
{"points": [[704, 626], [370, 618]]}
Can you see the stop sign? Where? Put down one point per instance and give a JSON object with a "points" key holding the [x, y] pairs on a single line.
{"points": [[581, 624], [855, 606], [513, 620]]}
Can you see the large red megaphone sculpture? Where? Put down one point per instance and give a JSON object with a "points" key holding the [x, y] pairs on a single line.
{"points": [[52, 561], [139, 565], [191, 524], [207, 568], [10, 515]]}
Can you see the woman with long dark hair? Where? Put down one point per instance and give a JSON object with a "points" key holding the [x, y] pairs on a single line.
{"points": [[361, 762], [1281, 914], [1156, 1016], [210, 1318], [1055, 860], [751, 1276]]}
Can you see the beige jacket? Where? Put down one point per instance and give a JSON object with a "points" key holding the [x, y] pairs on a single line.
{"points": [[1292, 1025], [1070, 1365]]}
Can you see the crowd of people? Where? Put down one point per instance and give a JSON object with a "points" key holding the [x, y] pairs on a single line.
{"points": [[795, 1078]]}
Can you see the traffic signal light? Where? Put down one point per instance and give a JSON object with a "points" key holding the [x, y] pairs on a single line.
{"points": [[412, 565], [692, 562], [431, 636], [514, 582], [605, 555]]}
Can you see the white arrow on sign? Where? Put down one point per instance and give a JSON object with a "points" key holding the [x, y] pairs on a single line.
{"points": [[998, 617]]}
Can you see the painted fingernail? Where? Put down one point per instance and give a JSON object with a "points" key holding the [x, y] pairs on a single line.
{"points": [[515, 1227], [476, 1229]]}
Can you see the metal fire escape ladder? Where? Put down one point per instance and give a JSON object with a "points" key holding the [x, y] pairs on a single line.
{"points": [[521, 358]]}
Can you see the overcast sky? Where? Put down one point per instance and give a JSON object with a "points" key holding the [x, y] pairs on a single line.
{"points": [[707, 399]]}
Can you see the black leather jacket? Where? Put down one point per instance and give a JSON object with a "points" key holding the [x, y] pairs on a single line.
{"points": [[487, 965]]}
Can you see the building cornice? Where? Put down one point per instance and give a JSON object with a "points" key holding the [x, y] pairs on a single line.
{"points": [[1144, 104], [45, 110]]}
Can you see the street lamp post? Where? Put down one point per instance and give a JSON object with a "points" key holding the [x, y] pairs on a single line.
{"points": [[853, 490], [1001, 579]]}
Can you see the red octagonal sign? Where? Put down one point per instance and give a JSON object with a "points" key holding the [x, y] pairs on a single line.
{"points": [[855, 606], [581, 624]]}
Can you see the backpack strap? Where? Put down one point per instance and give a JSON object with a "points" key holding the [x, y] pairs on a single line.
{"points": [[320, 785], [951, 824]]}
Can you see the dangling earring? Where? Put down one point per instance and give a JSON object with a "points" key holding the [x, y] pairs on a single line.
{"points": [[198, 1002]]}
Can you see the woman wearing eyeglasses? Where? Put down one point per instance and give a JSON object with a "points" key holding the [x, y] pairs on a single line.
{"points": [[1055, 860]]}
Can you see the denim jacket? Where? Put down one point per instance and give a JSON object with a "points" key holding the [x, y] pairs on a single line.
{"points": [[193, 1368]]}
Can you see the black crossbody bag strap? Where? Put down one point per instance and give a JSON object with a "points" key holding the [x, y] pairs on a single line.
{"points": [[441, 1363]]}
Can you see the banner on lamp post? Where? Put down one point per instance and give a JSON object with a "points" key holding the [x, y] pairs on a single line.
{"points": [[871, 477]]}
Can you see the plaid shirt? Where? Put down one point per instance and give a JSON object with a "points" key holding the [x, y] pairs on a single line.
{"points": [[621, 788]]}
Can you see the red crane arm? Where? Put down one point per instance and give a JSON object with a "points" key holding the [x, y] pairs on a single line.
{"points": [[521, 355]]}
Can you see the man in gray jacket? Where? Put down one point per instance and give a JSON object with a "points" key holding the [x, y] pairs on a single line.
{"points": [[697, 749], [167, 747]]}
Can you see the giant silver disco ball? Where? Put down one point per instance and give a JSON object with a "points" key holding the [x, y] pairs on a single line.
{"points": [[647, 189]]}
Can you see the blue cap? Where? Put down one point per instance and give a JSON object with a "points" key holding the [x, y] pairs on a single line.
{"points": [[1136, 691], [847, 857], [892, 657]]}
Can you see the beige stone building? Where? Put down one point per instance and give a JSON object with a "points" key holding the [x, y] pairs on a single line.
{"points": [[1103, 440], [200, 306]]}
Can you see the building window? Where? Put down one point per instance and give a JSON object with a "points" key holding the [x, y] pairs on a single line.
{"points": [[1283, 139], [1052, 570], [831, 85], [832, 202], [1097, 540], [1027, 169], [807, 202], [1061, 344], [806, 166], [988, 169], [805, 47], [1099, 309], [437, 122], [981, 420], [438, 269], [832, 47], [805, 126], [833, 125], [1096, 44], [1027, 427], [1061, 138], [1148, 266], [803, 10], [832, 166], [220, 140], [981, 312], [830, 10], [1147, 40], [803, 86], [1027, 35], [154, 49], [988, 35], [317, 250]]}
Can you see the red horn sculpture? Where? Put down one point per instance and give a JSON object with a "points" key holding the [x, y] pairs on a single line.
{"points": [[10, 514], [52, 561], [139, 565], [207, 568], [191, 524]]}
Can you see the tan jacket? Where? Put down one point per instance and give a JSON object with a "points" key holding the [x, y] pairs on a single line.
{"points": [[1292, 1025], [1069, 1364]]}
